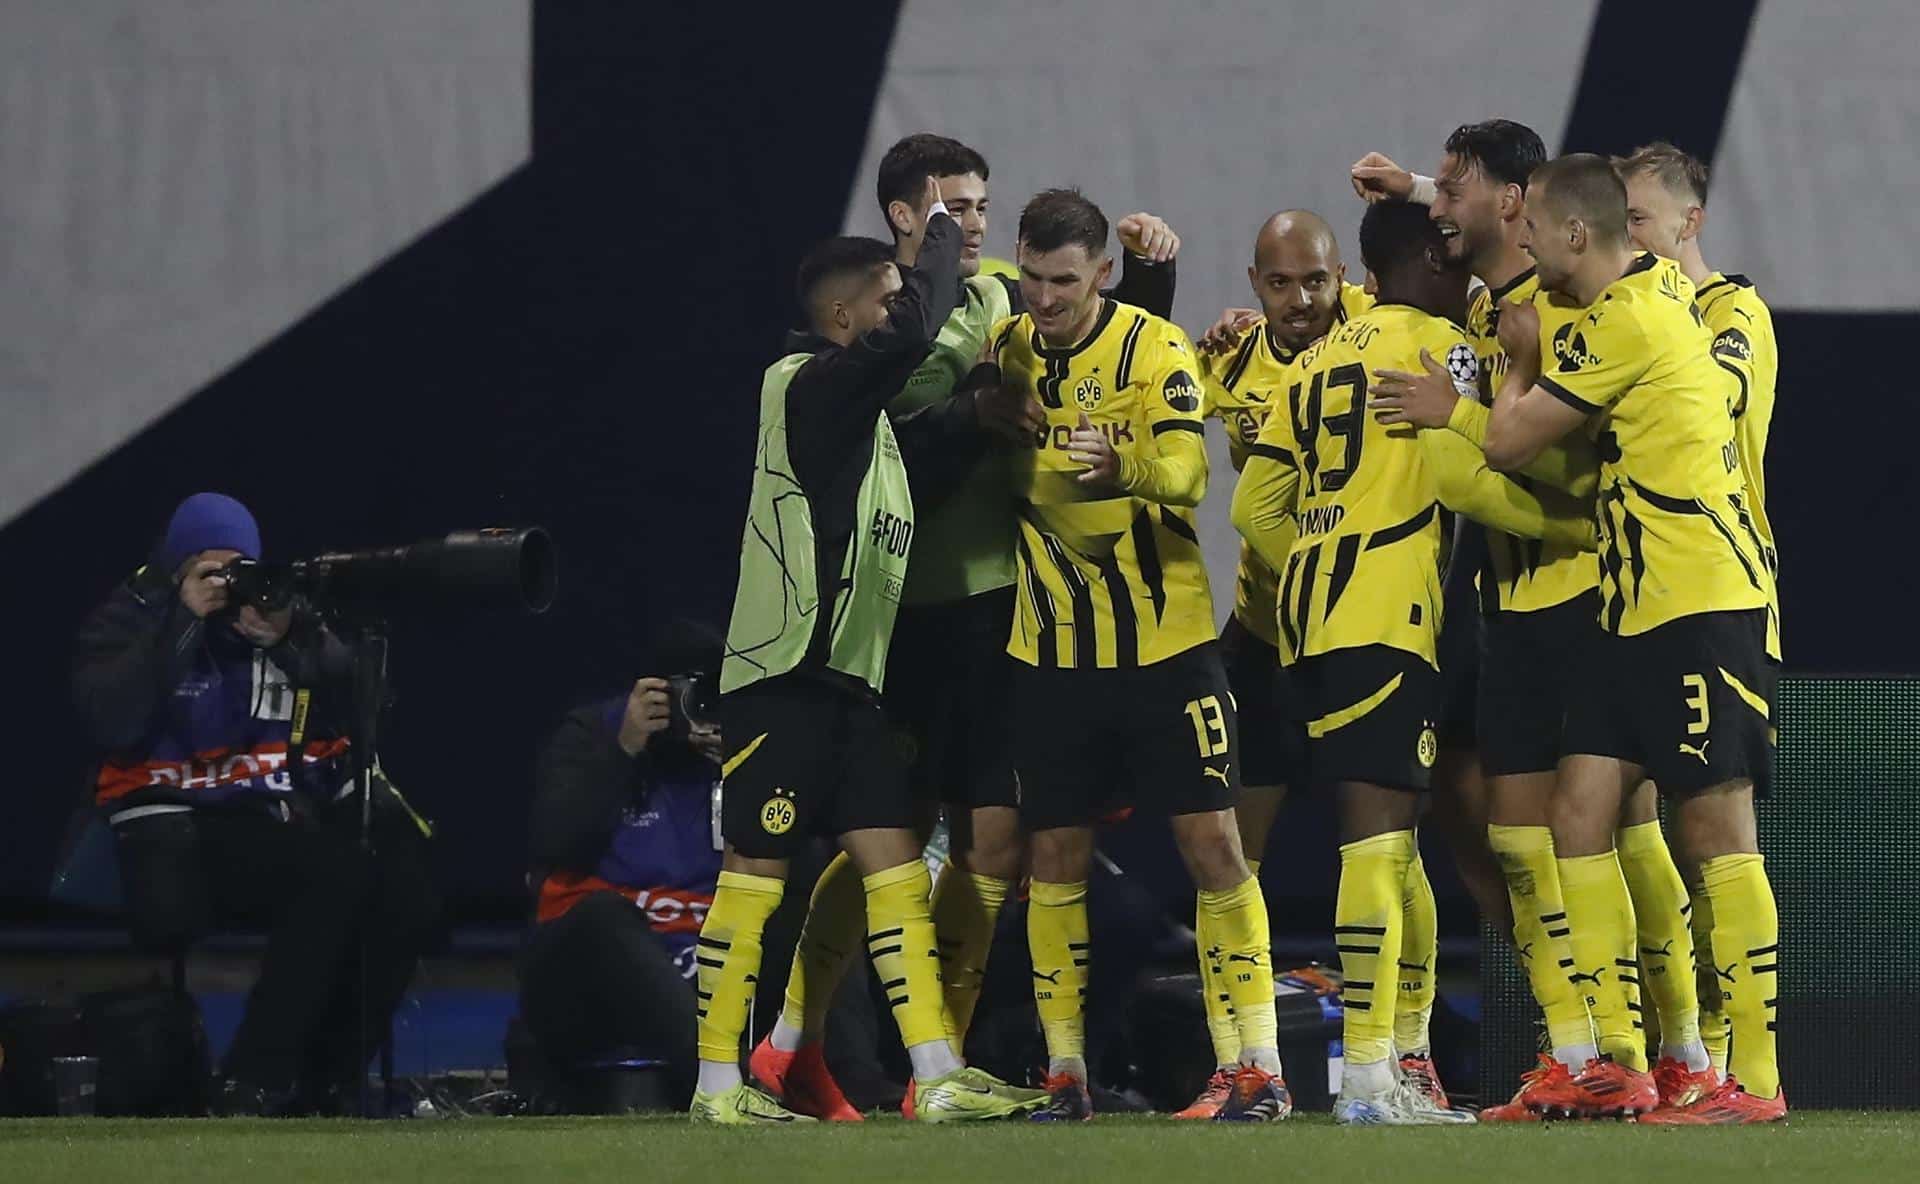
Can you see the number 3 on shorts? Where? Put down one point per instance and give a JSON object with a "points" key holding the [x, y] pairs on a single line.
{"points": [[1209, 726], [1696, 699]]}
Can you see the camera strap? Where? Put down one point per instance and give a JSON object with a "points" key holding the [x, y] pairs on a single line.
{"points": [[297, 738]]}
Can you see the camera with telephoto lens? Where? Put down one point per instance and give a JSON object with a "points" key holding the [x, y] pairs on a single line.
{"points": [[690, 700], [511, 569]]}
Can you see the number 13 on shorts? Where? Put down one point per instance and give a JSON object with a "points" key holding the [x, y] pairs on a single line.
{"points": [[1209, 726]]}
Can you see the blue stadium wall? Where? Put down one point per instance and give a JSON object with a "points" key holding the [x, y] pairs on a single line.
{"points": [[589, 222]]}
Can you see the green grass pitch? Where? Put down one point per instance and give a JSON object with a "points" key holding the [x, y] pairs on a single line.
{"points": [[1826, 1147]]}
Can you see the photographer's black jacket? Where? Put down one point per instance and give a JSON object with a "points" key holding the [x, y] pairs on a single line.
{"points": [[183, 710], [639, 826]]}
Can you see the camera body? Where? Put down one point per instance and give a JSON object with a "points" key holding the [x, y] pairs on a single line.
{"points": [[690, 700], [264, 586]]}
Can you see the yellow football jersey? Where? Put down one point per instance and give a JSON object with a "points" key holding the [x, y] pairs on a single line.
{"points": [[1109, 577], [1676, 534], [1744, 345], [1364, 498], [1239, 383], [1522, 575]]}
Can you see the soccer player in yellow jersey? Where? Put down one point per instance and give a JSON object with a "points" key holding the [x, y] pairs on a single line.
{"points": [[1541, 620], [1360, 604], [1537, 598], [1681, 689], [1666, 210], [1118, 688], [1299, 280]]}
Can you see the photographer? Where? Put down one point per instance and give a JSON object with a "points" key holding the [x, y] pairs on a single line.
{"points": [[623, 872], [224, 770], [625, 859]]}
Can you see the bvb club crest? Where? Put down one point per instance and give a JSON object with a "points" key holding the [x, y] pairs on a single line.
{"points": [[779, 814]]}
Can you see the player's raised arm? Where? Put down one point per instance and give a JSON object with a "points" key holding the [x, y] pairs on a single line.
{"points": [[928, 291], [1376, 178], [1149, 246]]}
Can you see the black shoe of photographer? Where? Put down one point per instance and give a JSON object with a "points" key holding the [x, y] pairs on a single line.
{"points": [[244, 1099]]}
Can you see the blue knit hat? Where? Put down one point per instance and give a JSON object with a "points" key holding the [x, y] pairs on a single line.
{"points": [[209, 522]]}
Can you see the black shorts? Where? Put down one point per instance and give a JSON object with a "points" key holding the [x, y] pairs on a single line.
{"points": [[1163, 738], [806, 758], [1461, 645], [948, 683], [1371, 713], [1460, 661], [1535, 665], [1690, 701], [1273, 738]]}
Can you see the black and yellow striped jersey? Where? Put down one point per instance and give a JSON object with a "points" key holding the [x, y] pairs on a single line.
{"points": [[1109, 577], [1523, 575], [1676, 534], [1240, 382], [1365, 498], [1744, 345]]}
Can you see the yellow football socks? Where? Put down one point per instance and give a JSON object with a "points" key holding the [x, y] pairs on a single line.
{"points": [[1234, 922], [727, 958], [1716, 1030], [829, 939], [1540, 929], [1057, 938], [965, 907], [1662, 917], [1419, 950], [900, 942], [1600, 914], [1746, 950], [1366, 931]]}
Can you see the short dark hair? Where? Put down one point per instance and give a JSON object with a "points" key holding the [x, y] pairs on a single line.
{"points": [[1680, 171], [847, 254], [1394, 233], [907, 165], [1584, 185], [1057, 217], [1504, 151], [686, 645]]}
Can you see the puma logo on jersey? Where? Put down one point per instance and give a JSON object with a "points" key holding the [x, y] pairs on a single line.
{"points": [[1525, 952], [1576, 978], [1252, 959], [1221, 773], [1700, 752], [1053, 977], [1665, 951], [1725, 973]]}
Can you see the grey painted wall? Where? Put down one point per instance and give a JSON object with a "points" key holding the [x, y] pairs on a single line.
{"points": [[182, 179]]}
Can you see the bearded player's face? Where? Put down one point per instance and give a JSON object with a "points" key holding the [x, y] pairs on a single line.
{"points": [[1466, 207], [1297, 282], [1062, 288]]}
